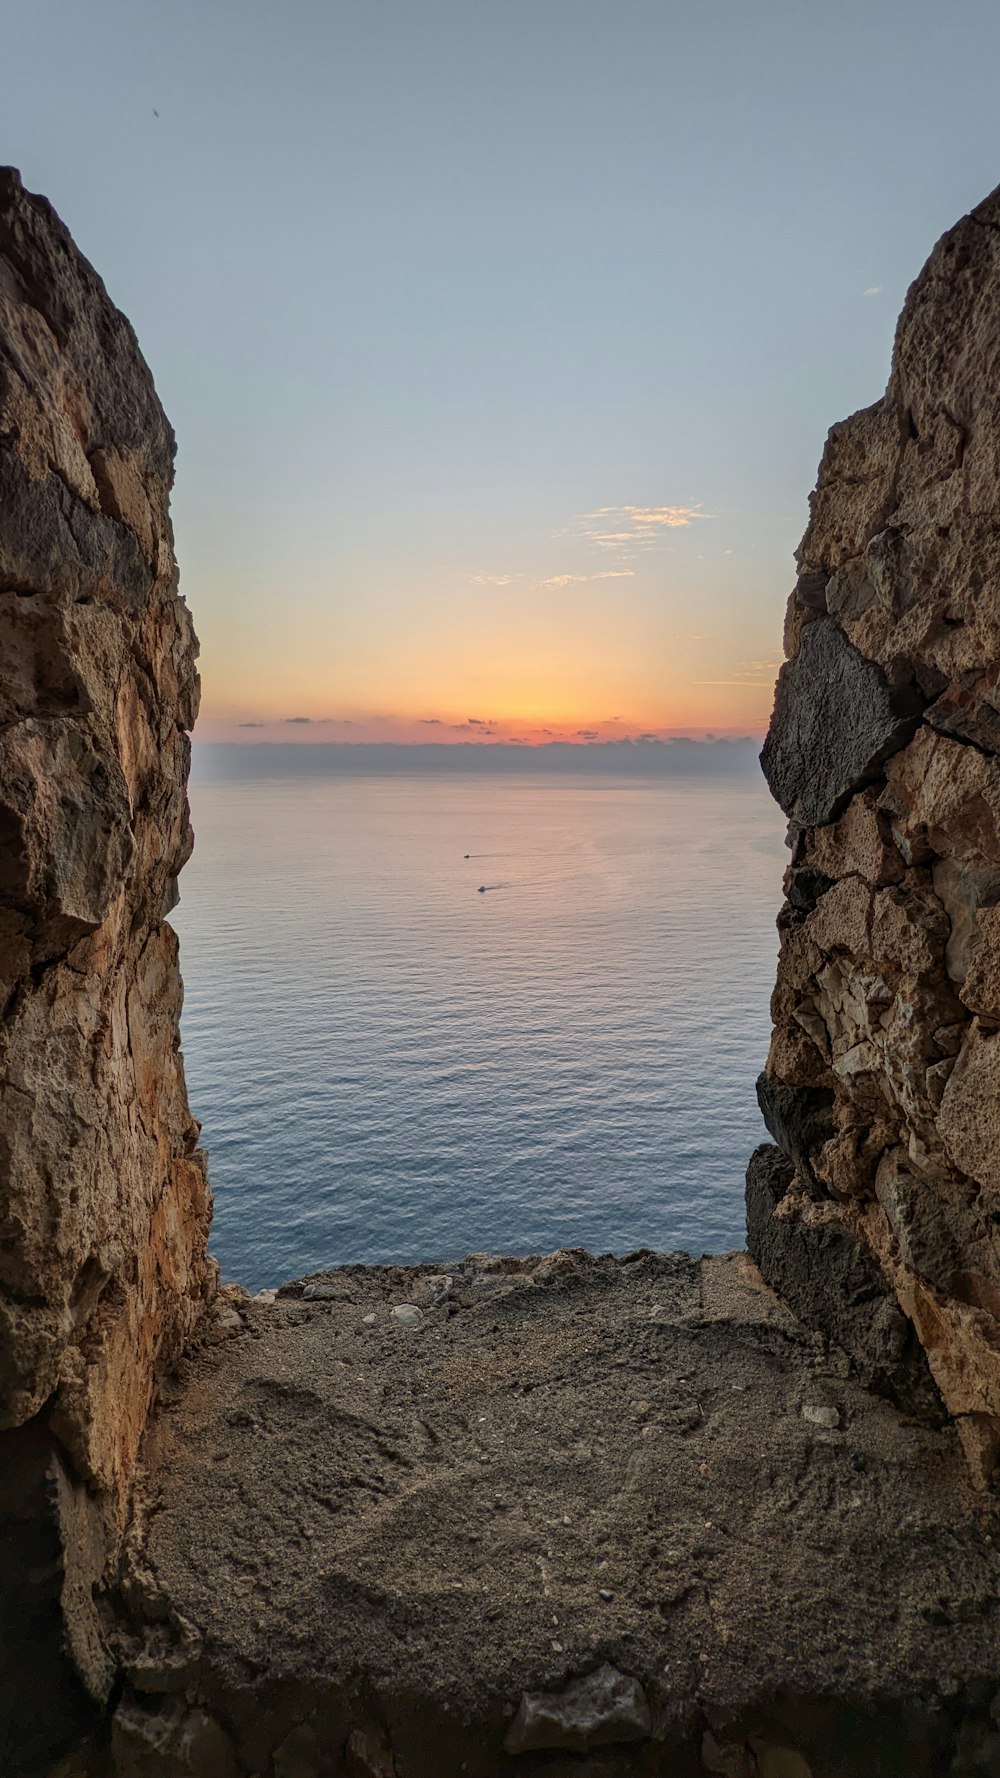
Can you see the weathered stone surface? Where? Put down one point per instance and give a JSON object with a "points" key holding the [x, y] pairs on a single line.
{"points": [[887, 1004], [799, 1118], [860, 840], [104, 1206], [829, 1278], [980, 990], [836, 721], [969, 1115]]}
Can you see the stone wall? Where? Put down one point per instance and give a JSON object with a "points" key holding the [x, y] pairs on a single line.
{"points": [[882, 1086], [104, 1205]]}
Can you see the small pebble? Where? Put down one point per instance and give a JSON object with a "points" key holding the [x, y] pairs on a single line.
{"points": [[369, 1320], [407, 1315], [818, 1414], [229, 1318], [266, 1296], [605, 1594]]}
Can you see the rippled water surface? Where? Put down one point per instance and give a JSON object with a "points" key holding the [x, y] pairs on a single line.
{"points": [[391, 1065]]}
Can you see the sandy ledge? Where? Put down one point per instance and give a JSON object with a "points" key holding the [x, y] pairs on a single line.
{"points": [[361, 1542]]}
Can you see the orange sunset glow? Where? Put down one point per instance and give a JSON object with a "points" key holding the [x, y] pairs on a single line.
{"points": [[643, 628]]}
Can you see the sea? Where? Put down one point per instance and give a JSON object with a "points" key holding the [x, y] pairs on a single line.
{"points": [[428, 1015]]}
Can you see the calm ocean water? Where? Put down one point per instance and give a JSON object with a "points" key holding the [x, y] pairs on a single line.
{"points": [[390, 1065]]}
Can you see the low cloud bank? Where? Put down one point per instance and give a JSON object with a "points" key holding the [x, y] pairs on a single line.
{"points": [[215, 760]]}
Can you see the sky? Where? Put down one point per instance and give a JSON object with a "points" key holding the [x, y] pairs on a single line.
{"points": [[501, 341]]}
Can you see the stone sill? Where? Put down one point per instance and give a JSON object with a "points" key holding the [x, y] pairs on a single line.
{"points": [[362, 1538]]}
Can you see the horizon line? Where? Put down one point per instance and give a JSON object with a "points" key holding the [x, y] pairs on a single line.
{"points": [[514, 742], [678, 756]]}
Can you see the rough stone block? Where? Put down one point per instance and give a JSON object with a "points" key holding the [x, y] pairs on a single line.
{"points": [[829, 1280], [836, 721]]}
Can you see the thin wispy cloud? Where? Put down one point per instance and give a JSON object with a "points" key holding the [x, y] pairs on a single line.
{"points": [[561, 580], [617, 527], [873, 290]]}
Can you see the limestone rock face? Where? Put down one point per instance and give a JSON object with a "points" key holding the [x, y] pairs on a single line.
{"points": [[104, 1205], [882, 1085]]}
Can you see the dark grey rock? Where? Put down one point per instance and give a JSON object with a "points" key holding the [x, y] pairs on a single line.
{"points": [[50, 1563], [836, 721], [835, 1287], [799, 1118], [939, 1230], [810, 589], [806, 887], [599, 1710]]}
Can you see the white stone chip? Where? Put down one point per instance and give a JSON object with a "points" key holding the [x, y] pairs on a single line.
{"points": [[819, 1414]]}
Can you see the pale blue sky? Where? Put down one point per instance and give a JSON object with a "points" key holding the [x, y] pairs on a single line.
{"points": [[423, 286]]}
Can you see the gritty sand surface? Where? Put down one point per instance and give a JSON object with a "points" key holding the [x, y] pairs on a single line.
{"points": [[363, 1517]]}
